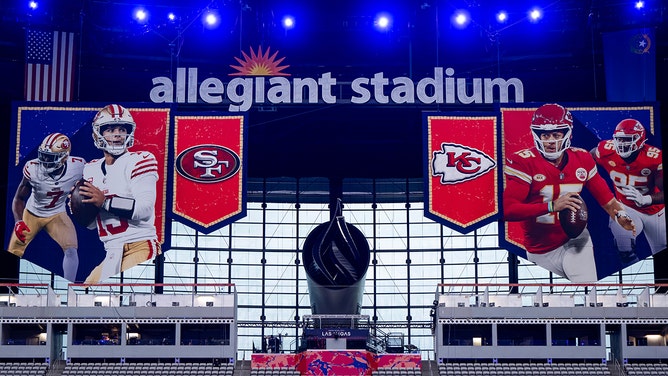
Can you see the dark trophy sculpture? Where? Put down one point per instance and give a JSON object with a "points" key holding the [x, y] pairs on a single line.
{"points": [[336, 258]]}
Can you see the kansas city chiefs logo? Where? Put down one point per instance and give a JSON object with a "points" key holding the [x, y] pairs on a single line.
{"points": [[457, 163], [207, 163]]}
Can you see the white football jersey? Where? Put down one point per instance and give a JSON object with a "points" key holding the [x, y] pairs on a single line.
{"points": [[48, 195], [133, 175]]}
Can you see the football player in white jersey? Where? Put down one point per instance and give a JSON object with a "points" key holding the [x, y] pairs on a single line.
{"points": [[39, 201], [636, 170], [123, 186]]}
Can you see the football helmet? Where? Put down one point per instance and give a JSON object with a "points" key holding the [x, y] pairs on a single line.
{"points": [[53, 152], [552, 117], [629, 136], [113, 115]]}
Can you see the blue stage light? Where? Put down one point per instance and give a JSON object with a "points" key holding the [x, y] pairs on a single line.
{"points": [[383, 22], [535, 14], [640, 4], [33, 5], [461, 19], [210, 19], [502, 17], [171, 16], [288, 22], [141, 15]]}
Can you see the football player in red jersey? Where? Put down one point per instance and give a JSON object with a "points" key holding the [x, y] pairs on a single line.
{"points": [[547, 178], [636, 170], [123, 185], [39, 201]]}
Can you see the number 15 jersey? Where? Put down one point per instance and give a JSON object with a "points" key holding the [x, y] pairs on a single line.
{"points": [[132, 175]]}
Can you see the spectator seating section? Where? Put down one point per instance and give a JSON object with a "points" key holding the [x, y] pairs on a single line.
{"points": [[20, 369], [523, 369], [148, 369], [277, 371], [397, 372], [646, 369]]}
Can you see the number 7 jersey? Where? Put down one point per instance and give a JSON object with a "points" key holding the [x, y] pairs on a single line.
{"points": [[48, 194]]}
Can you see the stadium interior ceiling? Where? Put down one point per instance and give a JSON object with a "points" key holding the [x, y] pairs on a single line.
{"points": [[559, 58]]}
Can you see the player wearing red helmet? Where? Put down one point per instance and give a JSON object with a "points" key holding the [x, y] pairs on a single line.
{"points": [[123, 186], [636, 170], [547, 178], [39, 201]]}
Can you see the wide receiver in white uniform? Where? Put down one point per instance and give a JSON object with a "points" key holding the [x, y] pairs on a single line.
{"points": [[39, 201], [636, 170], [123, 186]]}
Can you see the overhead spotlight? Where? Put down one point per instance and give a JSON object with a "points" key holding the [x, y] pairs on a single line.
{"points": [[210, 19], [288, 22], [640, 4], [535, 14], [383, 22], [171, 16], [461, 19], [502, 16], [33, 5], [141, 15]]}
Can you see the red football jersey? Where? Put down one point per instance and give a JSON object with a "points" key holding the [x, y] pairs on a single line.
{"points": [[532, 182], [640, 173]]}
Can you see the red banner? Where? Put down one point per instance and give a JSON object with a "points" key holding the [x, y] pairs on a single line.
{"points": [[515, 127], [152, 134], [209, 180], [461, 171]]}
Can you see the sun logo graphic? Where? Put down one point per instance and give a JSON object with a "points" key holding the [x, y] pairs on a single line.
{"points": [[259, 64]]}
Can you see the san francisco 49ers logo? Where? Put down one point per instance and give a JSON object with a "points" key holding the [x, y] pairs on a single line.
{"points": [[457, 163], [207, 163]]}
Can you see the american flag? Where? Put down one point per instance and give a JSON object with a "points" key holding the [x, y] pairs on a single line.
{"points": [[49, 72]]}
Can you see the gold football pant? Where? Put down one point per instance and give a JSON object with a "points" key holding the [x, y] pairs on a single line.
{"points": [[120, 259], [58, 226]]}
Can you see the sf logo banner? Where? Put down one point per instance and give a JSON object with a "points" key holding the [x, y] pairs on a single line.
{"points": [[208, 163], [209, 186], [461, 174]]}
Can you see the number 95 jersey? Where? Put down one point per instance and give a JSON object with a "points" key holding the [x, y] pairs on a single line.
{"points": [[640, 173]]}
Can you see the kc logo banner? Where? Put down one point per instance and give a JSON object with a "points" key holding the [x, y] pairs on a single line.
{"points": [[209, 184], [461, 170]]}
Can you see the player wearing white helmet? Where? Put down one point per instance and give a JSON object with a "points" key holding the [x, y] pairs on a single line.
{"points": [[547, 178], [636, 170], [39, 201], [123, 186]]}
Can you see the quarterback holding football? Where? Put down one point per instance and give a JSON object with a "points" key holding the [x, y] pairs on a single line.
{"points": [[122, 185], [636, 170], [40, 200], [546, 179]]}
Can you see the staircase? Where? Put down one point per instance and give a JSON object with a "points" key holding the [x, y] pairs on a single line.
{"points": [[56, 368]]}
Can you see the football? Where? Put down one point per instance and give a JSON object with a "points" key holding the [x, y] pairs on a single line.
{"points": [[574, 222], [82, 212]]}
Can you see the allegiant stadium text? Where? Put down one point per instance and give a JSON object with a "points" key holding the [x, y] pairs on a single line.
{"points": [[242, 93]]}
